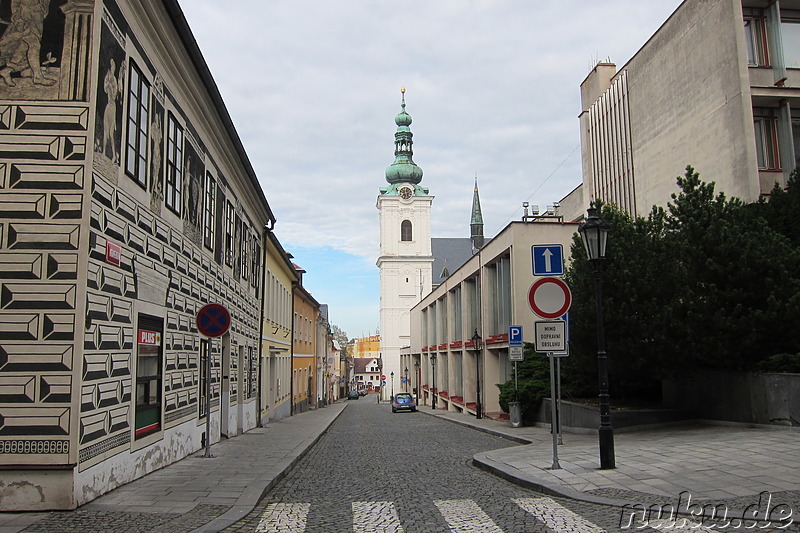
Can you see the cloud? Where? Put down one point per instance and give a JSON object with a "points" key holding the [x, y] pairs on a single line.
{"points": [[493, 88]]}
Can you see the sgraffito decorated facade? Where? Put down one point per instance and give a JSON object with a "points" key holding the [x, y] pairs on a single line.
{"points": [[127, 202]]}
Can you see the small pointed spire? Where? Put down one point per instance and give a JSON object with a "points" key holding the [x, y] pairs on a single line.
{"points": [[476, 222]]}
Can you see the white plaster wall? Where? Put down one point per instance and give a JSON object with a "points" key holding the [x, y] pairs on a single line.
{"points": [[177, 443]]}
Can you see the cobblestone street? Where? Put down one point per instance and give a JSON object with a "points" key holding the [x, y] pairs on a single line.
{"points": [[407, 472]]}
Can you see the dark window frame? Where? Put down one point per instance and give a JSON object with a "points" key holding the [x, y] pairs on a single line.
{"points": [[209, 208], [173, 181], [138, 123], [406, 231]]}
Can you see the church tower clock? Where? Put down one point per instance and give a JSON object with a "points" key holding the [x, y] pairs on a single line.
{"points": [[405, 260]]}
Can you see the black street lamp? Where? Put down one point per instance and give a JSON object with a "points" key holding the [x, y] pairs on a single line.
{"points": [[406, 387], [476, 343], [433, 371], [594, 233], [391, 374], [416, 372]]}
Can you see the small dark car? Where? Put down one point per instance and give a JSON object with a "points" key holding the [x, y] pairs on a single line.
{"points": [[352, 395], [403, 401]]}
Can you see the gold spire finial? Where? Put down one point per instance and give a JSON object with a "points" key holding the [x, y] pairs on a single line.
{"points": [[402, 89]]}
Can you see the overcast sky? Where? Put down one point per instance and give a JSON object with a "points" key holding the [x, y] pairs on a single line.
{"points": [[492, 86]]}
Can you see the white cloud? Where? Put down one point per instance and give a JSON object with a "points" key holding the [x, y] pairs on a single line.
{"points": [[493, 88]]}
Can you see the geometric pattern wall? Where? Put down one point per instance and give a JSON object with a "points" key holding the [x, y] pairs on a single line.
{"points": [[67, 315], [42, 179]]}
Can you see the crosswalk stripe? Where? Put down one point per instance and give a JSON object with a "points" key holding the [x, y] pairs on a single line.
{"points": [[375, 517], [557, 517], [679, 524], [284, 518], [464, 516]]}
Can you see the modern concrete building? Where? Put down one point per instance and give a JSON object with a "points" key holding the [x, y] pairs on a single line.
{"points": [[716, 87], [128, 202], [486, 295]]}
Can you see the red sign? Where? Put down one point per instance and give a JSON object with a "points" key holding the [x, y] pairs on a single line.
{"points": [[383, 377], [213, 320], [149, 337], [113, 253], [549, 297]]}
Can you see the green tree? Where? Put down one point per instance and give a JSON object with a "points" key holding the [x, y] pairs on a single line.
{"points": [[738, 299], [533, 375]]}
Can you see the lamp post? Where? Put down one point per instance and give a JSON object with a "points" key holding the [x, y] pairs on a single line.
{"points": [[476, 343], [391, 374], [406, 383], [416, 372], [594, 233], [433, 371]]}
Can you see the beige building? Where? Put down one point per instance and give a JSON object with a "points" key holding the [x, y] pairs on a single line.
{"points": [[486, 295], [716, 87], [280, 277]]}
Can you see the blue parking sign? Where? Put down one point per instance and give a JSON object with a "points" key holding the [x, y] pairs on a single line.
{"points": [[547, 259], [515, 335]]}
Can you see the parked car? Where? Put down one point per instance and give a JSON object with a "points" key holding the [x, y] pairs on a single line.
{"points": [[362, 392], [352, 395], [403, 401]]}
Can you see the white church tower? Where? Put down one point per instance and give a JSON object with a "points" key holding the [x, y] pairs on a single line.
{"points": [[405, 260]]}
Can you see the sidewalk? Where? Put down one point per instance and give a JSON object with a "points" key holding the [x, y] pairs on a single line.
{"points": [[728, 465]]}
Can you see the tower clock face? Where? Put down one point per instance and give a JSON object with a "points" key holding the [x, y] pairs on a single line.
{"points": [[406, 192]]}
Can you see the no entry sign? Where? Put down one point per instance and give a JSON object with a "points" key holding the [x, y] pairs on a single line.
{"points": [[549, 297], [213, 320]]}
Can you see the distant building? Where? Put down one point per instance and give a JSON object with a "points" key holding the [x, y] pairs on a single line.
{"points": [[486, 295], [716, 87], [304, 354], [366, 373], [411, 263]]}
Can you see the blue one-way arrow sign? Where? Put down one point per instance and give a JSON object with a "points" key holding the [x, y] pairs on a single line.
{"points": [[547, 259]]}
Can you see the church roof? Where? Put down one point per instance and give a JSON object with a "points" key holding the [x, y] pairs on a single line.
{"points": [[449, 252]]}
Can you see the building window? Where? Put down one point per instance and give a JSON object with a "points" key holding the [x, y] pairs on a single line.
{"points": [[138, 119], [766, 145], [148, 376], [405, 230], [229, 229], [237, 238], [754, 40], [208, 212], [256, 270], [174, 180], [790, 34], [244, 245]]}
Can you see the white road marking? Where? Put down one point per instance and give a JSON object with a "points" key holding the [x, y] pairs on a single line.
{"points": [[464, 516], [556, 516], [284, 518], [375, 517]]}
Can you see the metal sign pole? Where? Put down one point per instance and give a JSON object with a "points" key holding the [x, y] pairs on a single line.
{"points": [[208, 398], [558, 394], [553, 429], [516, 383]]}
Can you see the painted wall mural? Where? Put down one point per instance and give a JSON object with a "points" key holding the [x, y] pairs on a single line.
{"points": [[44, 47], [110, 93]]}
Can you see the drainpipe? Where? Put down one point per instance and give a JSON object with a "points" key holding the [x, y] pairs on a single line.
{"points": [[259, 391]]}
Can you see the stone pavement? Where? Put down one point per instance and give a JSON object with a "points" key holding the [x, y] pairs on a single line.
{"points": [[731, 466], [734, 466]]}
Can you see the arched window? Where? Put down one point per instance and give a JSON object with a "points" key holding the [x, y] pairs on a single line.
{"points": [[405, 230]]}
